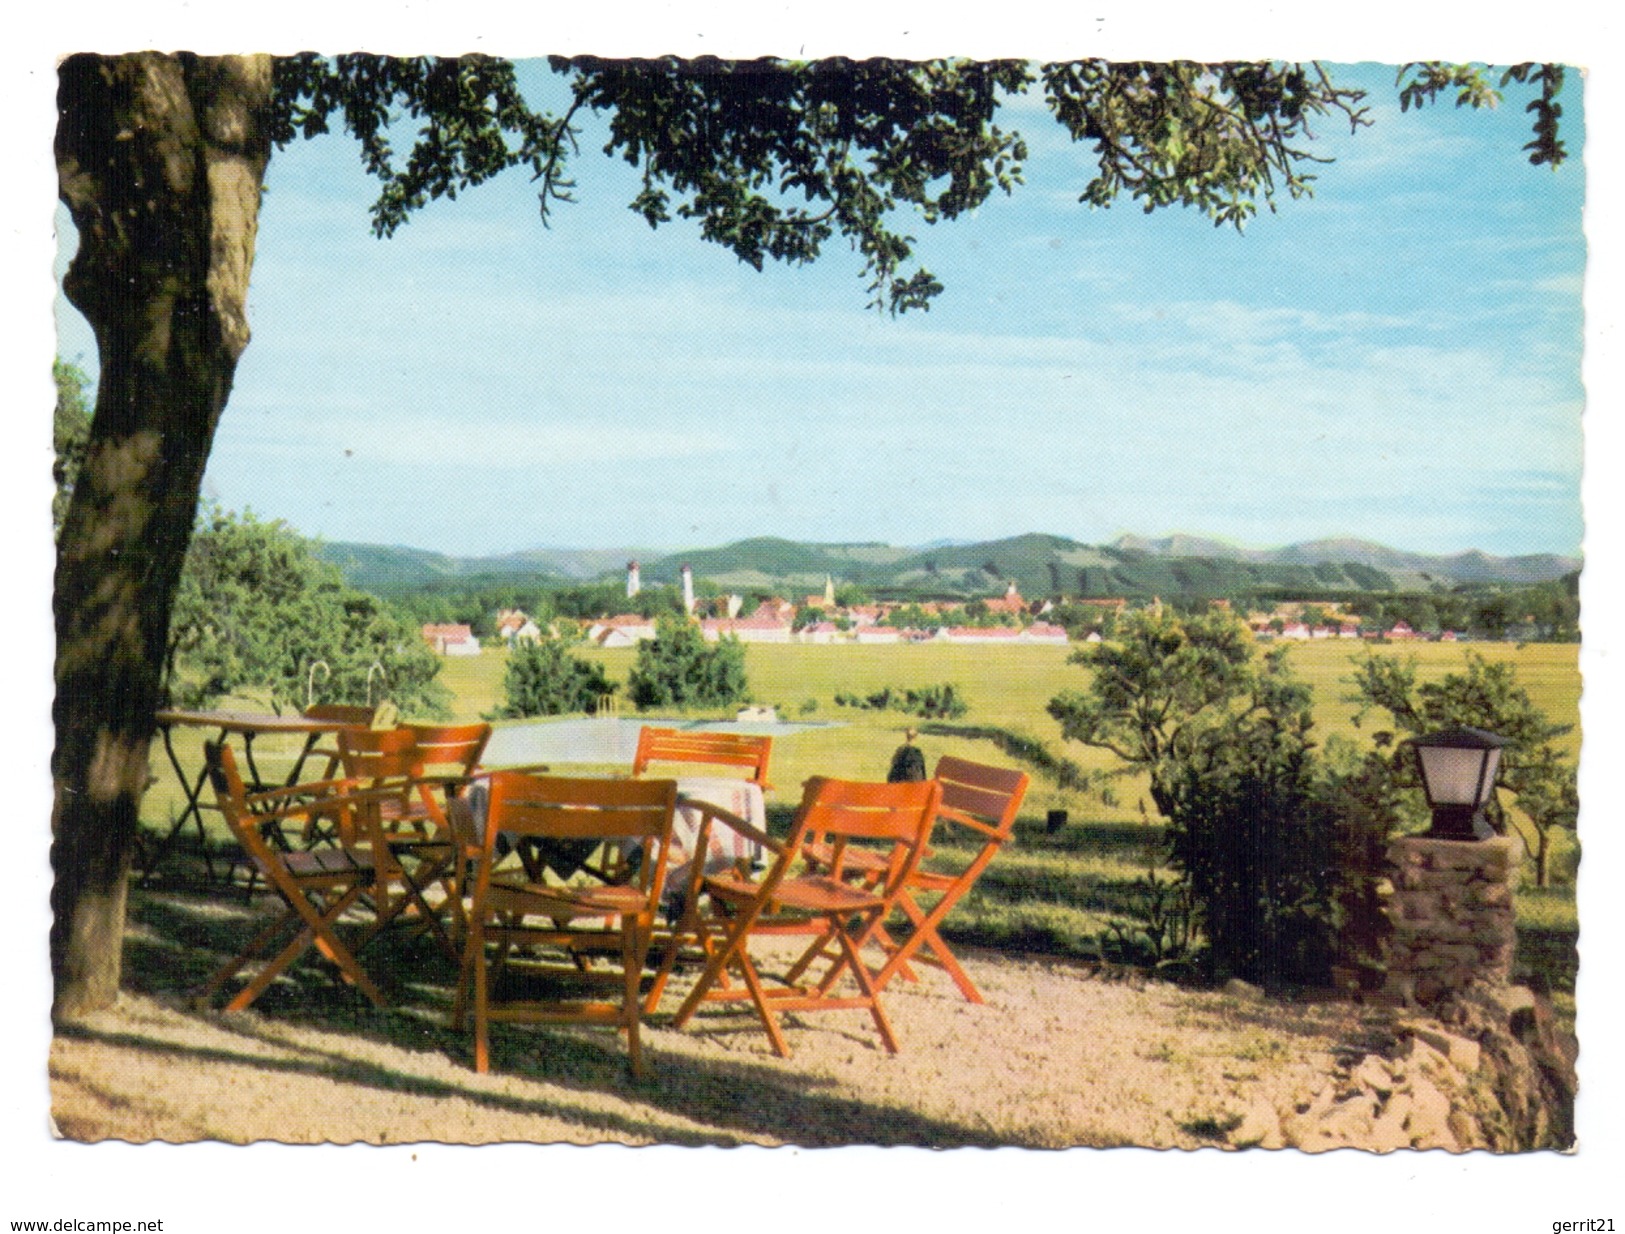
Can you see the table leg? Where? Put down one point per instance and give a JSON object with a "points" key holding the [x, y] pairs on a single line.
{"points": [[193, 791], [299, 763]]}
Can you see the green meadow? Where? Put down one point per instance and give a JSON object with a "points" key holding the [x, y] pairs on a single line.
{"points": [[1066, 892]]}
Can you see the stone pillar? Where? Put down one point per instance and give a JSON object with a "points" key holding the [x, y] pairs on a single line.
{"points": [[1452, 916]]}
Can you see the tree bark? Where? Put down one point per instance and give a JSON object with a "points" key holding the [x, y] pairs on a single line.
{"points": [[160, 160]]}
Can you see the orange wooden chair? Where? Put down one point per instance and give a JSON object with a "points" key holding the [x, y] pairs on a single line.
{"points": [[673, 745], [412, 816], [562, 924], [317, 887], [448, 761], [824, 905], [979, 804]]}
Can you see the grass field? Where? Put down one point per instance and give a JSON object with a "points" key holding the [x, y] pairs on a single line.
{"points": [[1051, 892]]}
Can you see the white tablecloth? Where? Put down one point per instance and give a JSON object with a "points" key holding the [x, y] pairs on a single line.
{"points": [[726, 846]]}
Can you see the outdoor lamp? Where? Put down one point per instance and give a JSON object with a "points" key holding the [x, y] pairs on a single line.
{"points": [[1458, 775]]}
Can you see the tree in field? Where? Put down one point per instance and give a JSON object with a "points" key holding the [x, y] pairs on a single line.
{"points": [[1223, 732], [678, 668], [161, 162], [1163, 685], [1486, 695], [544, 679], [257, 611]]}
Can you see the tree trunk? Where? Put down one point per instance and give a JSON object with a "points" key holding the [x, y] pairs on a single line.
{"points": [[160, 160]]}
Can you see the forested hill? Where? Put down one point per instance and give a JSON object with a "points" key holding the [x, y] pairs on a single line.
{"points": [[1038, 564]]}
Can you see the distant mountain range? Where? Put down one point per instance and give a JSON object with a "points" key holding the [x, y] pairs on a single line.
{"points": [[1038, 564]]}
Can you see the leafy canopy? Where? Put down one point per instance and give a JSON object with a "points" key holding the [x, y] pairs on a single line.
{"points": [[257, 611], [1166, 687], [775, 158]]}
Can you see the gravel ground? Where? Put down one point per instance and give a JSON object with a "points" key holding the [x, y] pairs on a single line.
{"points": [[1058, 1056]]}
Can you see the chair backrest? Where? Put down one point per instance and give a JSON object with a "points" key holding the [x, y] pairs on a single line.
{"points": [[838, 811], [525, 806], [378, 754], [671, 745], [454, 749], [975, 793]]}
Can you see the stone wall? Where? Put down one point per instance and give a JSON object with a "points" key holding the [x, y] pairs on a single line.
{"points": [[1452, 916]]}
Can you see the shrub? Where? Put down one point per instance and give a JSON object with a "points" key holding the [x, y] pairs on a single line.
{"points": [[544, 679], [1253, 834], [678, 668], [939, 702]]}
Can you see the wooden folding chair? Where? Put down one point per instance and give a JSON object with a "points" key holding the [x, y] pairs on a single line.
{"points": [[825, 906], [412, 819], [448, 760], [980, 804], [564, 922], [735, 750], [316, 888]]}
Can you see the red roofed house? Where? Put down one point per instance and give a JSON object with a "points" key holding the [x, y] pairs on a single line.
{"points": [[820, 632], [451, 639], [516, 627], [622, 630]]}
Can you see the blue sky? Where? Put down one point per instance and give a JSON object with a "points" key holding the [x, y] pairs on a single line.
{"points": [[1397, 359]]}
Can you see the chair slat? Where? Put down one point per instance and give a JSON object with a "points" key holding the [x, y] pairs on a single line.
{"points": [[670, 745]]}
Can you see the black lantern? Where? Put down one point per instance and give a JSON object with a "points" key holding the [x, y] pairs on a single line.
{"points": [[1459, 767]]}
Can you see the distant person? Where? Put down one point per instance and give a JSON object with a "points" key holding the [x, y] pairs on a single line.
{"points": [[907, 764]]}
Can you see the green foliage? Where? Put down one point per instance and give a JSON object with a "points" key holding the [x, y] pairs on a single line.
{"points": [[936, 702], [70, 433], [1161, 686], [544, 679], [678, 668], [1224, 735], [1253, 834], [1486, 695], [256, 610], [774, 158], [1422, 83]]}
